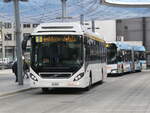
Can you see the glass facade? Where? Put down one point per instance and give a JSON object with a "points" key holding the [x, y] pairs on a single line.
{"points": [[10, 52]]}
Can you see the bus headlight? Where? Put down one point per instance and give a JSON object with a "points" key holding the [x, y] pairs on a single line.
{"points": [[78, 77], [114, 71], [33, 77]]}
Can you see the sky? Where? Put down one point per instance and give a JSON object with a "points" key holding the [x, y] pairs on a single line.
{"points": [[39, 11]]}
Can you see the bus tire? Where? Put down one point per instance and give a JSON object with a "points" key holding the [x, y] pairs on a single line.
{"points": [[122, 70], [102, 81], [90, 83], [45, 90], [140, 67]]}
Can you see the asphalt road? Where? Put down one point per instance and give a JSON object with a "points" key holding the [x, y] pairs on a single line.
{"points": [[124, 94]]}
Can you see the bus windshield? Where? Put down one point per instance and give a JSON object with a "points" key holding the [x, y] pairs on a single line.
{"points": [[111, 54], [58, 51]]}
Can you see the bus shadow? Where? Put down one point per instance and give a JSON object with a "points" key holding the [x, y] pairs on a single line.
{"points": [[121, 75], [63, 91], [115, 75], [97, 84]]}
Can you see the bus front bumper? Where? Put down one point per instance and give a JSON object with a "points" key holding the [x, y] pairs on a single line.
{"points": [[54, 83]]}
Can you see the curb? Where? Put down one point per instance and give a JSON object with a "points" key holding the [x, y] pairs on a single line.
{"points": [[8, 71], [15, 92], [146, 70]]}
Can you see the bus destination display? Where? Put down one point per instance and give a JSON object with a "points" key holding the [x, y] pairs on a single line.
{"points": [[55, 39]]}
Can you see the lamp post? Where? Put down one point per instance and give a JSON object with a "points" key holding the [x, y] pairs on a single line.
{"points": [[63, 9], [18, 40], [63, 17], [82, 19], [2, 40]]}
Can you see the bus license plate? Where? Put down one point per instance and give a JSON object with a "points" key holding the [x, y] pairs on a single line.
{"points": [[55, 84]]}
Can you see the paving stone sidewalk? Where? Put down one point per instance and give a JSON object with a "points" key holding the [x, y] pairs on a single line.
{"points": [[8, 85]]}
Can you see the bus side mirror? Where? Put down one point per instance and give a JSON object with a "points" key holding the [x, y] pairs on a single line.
{"points": [[24, 43]]}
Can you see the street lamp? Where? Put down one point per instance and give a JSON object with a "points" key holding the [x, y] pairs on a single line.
{"points": [[63, 9], [18, 40], [2, 40]]}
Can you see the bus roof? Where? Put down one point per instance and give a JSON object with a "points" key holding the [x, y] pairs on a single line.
{"points": [[94, 36], [58, 29], [122, 45], [69, 28], [125, 46], [139, 48]]}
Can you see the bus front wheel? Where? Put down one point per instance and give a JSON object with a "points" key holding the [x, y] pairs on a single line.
{"points": [[90, 84]]}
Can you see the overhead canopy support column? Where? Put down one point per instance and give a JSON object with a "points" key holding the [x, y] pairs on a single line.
{"points": [[63, 9]]}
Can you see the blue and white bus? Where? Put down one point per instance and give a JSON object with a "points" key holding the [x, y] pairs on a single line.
{"points": [[119, 58], [66, 55], [122, 58]]}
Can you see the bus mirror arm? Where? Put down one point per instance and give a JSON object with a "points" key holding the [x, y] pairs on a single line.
{"points": [[24, 42], [85, 42]]}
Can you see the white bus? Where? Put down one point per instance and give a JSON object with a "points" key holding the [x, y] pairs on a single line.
{"points": [[65, 55]]}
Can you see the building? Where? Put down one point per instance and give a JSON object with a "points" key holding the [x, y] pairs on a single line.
{"points": [[135, 31], [8, 40], [106, 29]]}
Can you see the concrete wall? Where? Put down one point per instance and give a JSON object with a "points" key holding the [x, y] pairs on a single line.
{"points": [[131, 29], [106, 29]]}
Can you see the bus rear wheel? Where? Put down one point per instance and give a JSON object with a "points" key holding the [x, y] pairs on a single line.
{"points": [[102, 80]]}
